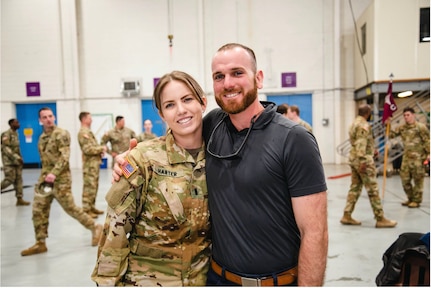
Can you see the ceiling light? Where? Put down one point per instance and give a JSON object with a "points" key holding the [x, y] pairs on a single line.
{"points": [[405, 94]]}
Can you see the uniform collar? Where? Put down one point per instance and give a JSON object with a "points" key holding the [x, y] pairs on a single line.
{"points": [[177, 154]]}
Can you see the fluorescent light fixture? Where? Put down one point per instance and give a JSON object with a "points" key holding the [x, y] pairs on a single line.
{"points": [[405, 94], [426, 39]]}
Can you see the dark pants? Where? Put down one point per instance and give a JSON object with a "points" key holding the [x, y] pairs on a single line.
{"points": [[396, 163]]}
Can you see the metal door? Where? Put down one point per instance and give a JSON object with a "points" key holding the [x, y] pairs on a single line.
{"points": [[303, 101], [149, 111], [30, 130]]}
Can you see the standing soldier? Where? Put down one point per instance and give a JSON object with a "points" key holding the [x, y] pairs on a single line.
{"points": [[282, 109], [119, 137], [147, 134], [293, 114], [361, 160], [12, 161], [55, 183], [416, 141], [91, 158]]}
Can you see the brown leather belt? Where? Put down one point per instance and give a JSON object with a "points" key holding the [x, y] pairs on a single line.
{"points": [[283, 278]]}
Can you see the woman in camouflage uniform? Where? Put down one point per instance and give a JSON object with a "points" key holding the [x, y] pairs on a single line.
{"points": [[157, 225]]}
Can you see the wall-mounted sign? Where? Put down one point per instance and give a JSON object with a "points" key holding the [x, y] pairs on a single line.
{"points": [[28, 133], [155, 81], [288, 79], [33, 89]]}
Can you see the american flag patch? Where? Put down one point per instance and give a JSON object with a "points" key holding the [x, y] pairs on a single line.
{"points": [[128, 169]]}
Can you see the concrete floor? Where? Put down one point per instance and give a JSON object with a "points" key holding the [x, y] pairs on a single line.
{"points": [[354, 258]]}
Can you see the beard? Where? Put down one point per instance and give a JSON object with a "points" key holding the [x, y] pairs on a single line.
{"points": [[234, 107]]}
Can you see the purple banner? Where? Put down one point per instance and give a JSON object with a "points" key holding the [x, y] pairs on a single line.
{"points": [[33, 89], [155, 81], [288, 79]]}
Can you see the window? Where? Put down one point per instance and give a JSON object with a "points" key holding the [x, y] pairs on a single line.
{"points": [[364, 38], [424, 26]]}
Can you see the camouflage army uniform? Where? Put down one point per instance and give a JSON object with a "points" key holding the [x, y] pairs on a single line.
{"points": [[91, 159], [54, 150], [146, 136], [306, 125], [119, 139], [167, 243], [416, 141], [362, 151], [12, 162]]}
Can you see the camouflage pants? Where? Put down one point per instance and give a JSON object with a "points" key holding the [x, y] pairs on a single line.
{"points": [[367, 179], [91, 171], [42, 206], [13, 176], [412, 170], [153, 269]]}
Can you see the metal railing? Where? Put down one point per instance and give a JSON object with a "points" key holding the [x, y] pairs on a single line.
{"points": [[421, 102]]}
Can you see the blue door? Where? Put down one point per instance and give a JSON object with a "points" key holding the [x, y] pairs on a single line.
{"points": [[303, 101], [30, 130], [149, 111]]}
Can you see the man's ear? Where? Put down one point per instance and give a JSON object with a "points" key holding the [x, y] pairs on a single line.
{"points": [[259, 79]]}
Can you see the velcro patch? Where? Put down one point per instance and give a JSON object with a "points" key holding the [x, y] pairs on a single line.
{"points": [[128, 168]]}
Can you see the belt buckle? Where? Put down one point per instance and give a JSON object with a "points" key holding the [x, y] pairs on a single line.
{"points": [[250, 282]]}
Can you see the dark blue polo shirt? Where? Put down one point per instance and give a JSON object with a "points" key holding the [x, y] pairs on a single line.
{"points": [[254, 229]]}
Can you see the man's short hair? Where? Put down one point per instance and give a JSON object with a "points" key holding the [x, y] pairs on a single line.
{"points": [[282, 108], [11, 121], [294, 108], [409, 109], [364, 109], [118, 118], [82, 115], [250, 51], [45, 109]]}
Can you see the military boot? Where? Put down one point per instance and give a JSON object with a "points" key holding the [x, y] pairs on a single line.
{"points": [[39, 247], [413, 205], [348, 220], [91, 214], [385, 223], [96, 211], [21, 202], [405, 203], [95, 234]]}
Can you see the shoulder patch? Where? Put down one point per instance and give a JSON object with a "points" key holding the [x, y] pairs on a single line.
{"points": [[128, 168], [365, 127]]}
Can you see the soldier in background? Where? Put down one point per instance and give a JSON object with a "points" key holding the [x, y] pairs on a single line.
{"points": [[293, 114], [157, 225], [282, 109], [361, 160], [55, 183], [416, 142], [119, 137], [91, 159], [147, 134], [12, 161]]}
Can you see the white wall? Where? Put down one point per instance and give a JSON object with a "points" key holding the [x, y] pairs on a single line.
{"points": [[393, 42], [402, 54], [80, 50]]}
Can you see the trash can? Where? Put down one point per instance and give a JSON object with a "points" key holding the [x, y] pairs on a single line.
{"points": [[104, 163]]}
